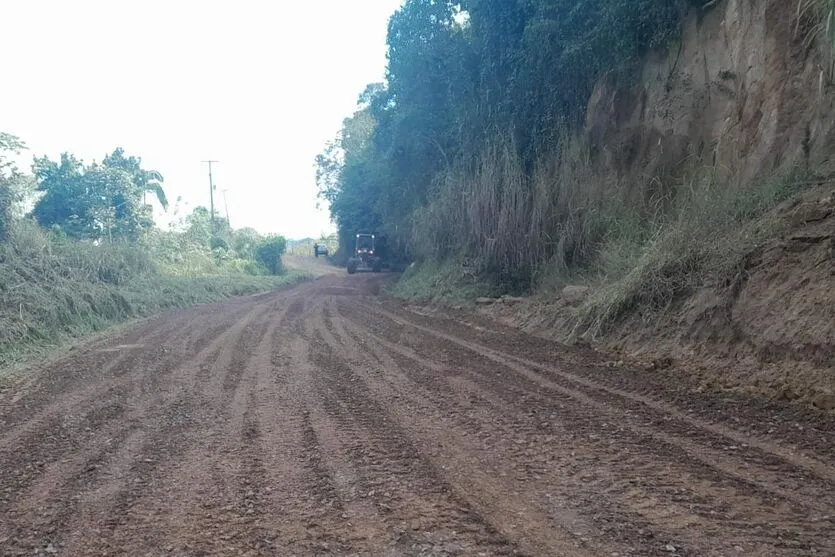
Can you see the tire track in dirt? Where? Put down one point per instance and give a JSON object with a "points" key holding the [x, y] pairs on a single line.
{"points": [[448, 424], [72, 419], [768, 456], [532, 392], [794, 427], [536, 460], [43, 410], [338, 520], [761, 424], [243, 454], [188, 407], [75, 377], [318, 421], [158, 414], [266, 489], [219, 483], [518, 447], [414, 500]]}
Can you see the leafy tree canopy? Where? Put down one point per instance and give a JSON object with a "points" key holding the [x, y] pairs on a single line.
{"points": [[96, 201], [462, 72]]}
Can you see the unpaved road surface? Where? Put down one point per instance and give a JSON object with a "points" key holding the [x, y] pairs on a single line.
{"points": [[324, 420]]}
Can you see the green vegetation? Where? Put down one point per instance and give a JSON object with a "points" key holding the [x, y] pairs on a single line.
{"points": [[706, 239], [468, 82], [13, 184], [269, 253], [97, 201], [471, 159], [89, 256], [53, 289], [447, 280]]}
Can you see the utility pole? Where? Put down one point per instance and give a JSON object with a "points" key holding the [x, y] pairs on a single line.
{"points": [[211, 196], [226, 206]]}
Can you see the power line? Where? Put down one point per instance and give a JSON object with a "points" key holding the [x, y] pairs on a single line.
{"points": [[211, 196]]}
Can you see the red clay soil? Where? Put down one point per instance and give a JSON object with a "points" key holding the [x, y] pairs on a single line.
{"points": [[323, 420]]}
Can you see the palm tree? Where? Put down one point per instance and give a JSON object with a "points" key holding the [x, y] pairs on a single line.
{"points": [[151, 181], [147, 180]]}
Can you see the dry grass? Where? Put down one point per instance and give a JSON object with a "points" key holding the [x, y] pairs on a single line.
{"points": [[642, 246], [53, 290], [508, 227], [448, 280], [705, 240]]}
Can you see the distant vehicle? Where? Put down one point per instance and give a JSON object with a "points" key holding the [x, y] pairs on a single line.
{"points": [[320, 249], [366, 256]]}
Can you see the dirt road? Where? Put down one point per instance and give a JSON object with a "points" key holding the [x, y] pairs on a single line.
{"points": [[322, 420]]}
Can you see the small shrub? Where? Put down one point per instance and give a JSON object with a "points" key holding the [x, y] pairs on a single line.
{"points": [[269, 253]]}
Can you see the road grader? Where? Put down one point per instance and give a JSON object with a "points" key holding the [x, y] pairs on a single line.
{"points": [[367, 255]]}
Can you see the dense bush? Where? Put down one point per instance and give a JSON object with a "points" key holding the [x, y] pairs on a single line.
{"points": [[269, 253]]}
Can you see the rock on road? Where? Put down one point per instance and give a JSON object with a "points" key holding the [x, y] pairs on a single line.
{"points": [[325, 420]]}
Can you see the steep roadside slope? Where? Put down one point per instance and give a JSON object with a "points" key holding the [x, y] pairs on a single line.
{"points": [[746, 95], [770, 331]]}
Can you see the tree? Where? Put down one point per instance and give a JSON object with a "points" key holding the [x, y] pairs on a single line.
{"points": [[463, 76], [98, 201], [148, 181], [13, 184], [245, 242], [116, 205], [404, 133], [269, 253], [66, 202]]}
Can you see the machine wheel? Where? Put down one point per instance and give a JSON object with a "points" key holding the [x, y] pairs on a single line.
{"points": [[377, 266], [352, 267]]}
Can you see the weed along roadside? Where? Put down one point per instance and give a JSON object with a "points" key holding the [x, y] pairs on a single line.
{"points": [[56, 290], [731, 295]]}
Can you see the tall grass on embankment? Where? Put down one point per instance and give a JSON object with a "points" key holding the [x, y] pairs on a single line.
{"points": [[704, 239], [510, 225], [54, 290], [493, 228]]}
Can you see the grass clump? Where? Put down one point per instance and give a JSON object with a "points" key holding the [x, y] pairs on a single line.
{"points": [[444, 280], [513, 225]]}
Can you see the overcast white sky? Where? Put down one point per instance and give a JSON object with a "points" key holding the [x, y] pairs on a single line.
{"points": [[258, 85]]}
